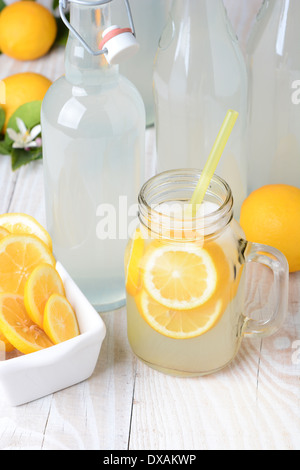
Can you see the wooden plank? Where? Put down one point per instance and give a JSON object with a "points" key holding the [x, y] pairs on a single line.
{"points": [[51, 65], [28, 193], [23, 427]]}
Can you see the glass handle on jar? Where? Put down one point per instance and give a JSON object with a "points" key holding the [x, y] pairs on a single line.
{"points": [[276, 261]]}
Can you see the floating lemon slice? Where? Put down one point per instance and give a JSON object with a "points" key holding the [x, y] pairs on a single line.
{"points": [[132, 263], [179, 277], [19, 255], [40, 285], [60, 321], [18, 328], [179, 324], [18, 223]]}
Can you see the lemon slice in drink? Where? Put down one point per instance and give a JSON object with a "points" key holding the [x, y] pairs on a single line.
{"points": [[179, 277], [179, 324], [133, 257]]}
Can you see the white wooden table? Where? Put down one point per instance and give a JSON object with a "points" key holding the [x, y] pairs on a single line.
{"points": [[252, 404]]}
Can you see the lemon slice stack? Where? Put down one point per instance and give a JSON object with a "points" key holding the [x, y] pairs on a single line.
{"points": [[34, 312]]}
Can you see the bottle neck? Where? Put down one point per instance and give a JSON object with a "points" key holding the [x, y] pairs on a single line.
{"points": [[277, 23], [198, 11], [279, 8], [289, 4], [81, 67]]}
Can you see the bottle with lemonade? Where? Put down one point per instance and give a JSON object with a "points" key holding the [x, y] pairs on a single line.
{"points": [[274, 106], [93, 122], [199, 73]]}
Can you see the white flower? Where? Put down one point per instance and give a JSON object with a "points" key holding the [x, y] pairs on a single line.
{"points": [[25, 138]]}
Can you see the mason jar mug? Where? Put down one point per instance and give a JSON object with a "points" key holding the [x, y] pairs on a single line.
{"points": [[185, 278]]}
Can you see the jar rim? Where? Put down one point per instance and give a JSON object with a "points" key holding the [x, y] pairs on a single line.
{"points": [[158, 189]]}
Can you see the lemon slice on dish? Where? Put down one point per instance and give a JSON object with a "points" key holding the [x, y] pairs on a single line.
{"points": [[18, 328], [19, 223], [19, 255], [60, 322], [40, 285]]}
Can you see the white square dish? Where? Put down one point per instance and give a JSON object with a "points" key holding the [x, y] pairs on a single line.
{"points": [[28, 377]]}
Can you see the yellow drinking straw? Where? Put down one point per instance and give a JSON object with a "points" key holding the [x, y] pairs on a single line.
{"points": [[213, 159]]}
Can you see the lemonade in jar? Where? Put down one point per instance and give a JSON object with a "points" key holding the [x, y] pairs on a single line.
{"points": [[185, 278]]}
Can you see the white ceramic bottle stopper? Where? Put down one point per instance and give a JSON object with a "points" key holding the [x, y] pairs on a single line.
{"points": [[120, 44]]}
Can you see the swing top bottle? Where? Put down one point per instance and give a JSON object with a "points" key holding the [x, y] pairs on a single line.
{"points": [[93, 124]]}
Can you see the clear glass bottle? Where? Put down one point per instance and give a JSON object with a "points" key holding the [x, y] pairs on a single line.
{"points": [[150, 17], [93, 125], [273, 56], [199, 74]]}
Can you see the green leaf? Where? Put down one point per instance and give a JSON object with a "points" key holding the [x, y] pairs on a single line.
{"points": [[36, 154], [4, 149], [62, 32], [55, 4], [20, 157], [2, 5], [30, 113], [2, 118]]}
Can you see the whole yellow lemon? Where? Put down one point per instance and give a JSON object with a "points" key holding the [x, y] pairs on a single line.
{"points": [[271, 215], [27, 30], [21, 88]]}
